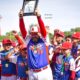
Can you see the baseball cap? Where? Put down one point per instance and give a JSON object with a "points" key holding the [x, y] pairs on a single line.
{"points": [[58, 32], [6, 41], [34, 29], [76, 35], [14, 44], [66, 45]]}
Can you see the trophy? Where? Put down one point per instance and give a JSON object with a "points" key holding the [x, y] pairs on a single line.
{"points": [[29, 7]]}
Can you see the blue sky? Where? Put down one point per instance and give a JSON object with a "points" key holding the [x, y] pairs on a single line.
{"points": [[65, 14]]}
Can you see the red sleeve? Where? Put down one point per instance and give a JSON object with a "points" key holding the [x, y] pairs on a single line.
{"points": [[20, 41], [22, 27], [42, 27], [72, 76]]}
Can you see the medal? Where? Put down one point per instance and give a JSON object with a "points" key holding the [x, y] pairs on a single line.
{"points": [[6, 65], [35, 51], [61, 73]]}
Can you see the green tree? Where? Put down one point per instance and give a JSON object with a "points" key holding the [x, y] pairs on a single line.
{"points": [[77, 29], [67, 33], [2, 37]]}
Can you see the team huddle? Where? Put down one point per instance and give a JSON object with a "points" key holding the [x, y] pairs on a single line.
{"points": [[35, 57]]}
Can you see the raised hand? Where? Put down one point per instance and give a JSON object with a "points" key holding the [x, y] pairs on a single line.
{"points": [[37, 12], [21, 13], [14, 32]]}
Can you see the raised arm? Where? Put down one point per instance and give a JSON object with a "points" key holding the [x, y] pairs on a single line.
{"points": [[41, 24], [19, 39], [22, 25]]}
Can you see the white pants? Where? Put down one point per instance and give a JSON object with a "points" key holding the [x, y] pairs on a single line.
{"points": [[8, 78], [78, 79], [42, 75]]}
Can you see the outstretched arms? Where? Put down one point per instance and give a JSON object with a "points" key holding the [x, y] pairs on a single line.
{"points": [[22, 25], [41, 24]]}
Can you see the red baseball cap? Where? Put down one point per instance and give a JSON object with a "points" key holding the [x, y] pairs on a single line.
{"points": [[14, 44], [6, 41], [66, 45], [76, 35], [60, 33]]}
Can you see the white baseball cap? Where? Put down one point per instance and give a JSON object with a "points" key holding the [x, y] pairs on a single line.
{"points": [[34, 28]]}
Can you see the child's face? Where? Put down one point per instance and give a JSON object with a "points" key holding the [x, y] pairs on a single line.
{"points": [[68, 39], [24, 52], [66, 51], [7, 46], [59, 39], [75, 40]]}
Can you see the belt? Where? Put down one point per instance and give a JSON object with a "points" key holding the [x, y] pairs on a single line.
{"points": [[38, 70], [8, 75]]}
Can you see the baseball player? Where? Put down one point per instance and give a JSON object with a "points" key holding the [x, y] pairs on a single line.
{"points": [[22, 66], [75, 41], [77, 63], [8, 68], [68, 62], [0, 59], [38, 58], [0, 69], [58, 56]]}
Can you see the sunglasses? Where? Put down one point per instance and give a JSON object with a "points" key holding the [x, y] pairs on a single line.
{"points": [[33, 33]]}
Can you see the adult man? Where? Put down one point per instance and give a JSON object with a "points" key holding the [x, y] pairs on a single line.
{"points": [[38, 57]]}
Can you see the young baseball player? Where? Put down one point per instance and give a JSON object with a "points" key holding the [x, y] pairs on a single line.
{"points": [[68, 62], [77, 63], [58, 56], [22, 66], [8, 71], [0, 69], [75, 41]]}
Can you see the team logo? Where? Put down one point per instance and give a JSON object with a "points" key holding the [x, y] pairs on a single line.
{"points": [[67, 66], [37, 49]]}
